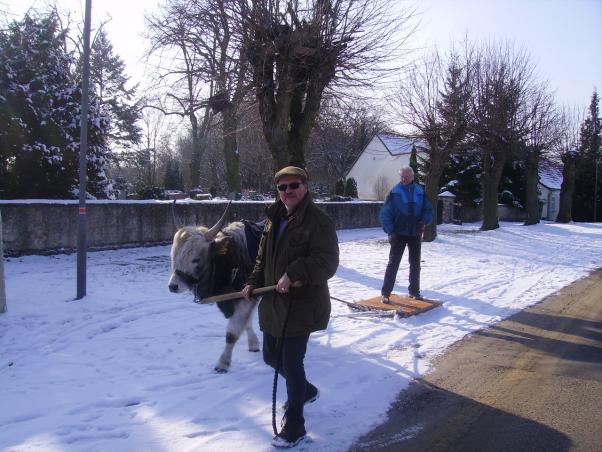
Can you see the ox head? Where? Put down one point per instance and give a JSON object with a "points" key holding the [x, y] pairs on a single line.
{"points": [[198, 258]]}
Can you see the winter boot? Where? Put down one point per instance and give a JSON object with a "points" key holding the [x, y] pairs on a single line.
{"points": [[311, 395], [291, 434]]}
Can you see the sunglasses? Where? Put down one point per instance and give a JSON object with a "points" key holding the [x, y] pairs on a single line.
{"points": [[292, 185]]}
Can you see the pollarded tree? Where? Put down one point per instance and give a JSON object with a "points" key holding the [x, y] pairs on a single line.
{"points": [[566, 150], [39, 115], [299, 49], [502, 78], [434, 102], [541, 117]]}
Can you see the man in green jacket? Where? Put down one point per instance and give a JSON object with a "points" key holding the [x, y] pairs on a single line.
{"points": [[298, 253]]}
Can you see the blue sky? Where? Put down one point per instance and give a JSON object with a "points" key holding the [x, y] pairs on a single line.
{"points": [[562, 36]]}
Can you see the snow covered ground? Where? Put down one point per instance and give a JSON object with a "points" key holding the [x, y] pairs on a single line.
{"points": [[130, 367]]}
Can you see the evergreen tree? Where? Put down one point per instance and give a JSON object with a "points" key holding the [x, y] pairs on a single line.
{"points": [[589, 157], [173, 177], [339, 187], [414, 160], [40, 115], [462, 177], [351, 188], [108, 83], [513, 181]]}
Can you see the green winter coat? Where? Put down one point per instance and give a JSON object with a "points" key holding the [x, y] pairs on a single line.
{"points": [[308, 251]]}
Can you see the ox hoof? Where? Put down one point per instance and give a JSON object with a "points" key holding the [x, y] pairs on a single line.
{"points": [[220, 370]]}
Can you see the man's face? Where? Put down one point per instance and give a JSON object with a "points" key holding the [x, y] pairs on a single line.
{"points": [[407, 177], [291, 196]]}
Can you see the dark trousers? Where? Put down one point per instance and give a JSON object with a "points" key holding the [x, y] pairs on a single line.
{"points": [[398, 246], [291, 368]]}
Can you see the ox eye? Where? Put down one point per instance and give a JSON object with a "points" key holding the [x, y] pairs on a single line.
{"points": [[196, 261]]}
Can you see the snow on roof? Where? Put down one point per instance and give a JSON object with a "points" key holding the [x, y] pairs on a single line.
{"points": [[396, 145], [550, 176], [446, 194]]}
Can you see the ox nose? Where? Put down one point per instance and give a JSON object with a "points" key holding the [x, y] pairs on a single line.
{"points": [[173, 287]]}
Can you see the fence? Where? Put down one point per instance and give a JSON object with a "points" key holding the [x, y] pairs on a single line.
{"points": [[47, 227]]}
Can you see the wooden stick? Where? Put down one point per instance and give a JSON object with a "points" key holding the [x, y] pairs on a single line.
{"points": [[236, 295]]}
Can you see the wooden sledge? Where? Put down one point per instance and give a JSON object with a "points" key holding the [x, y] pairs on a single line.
{"points": [[403, 305]]}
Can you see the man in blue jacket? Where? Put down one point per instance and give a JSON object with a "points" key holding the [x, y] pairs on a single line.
{"points": [[405, 213]]}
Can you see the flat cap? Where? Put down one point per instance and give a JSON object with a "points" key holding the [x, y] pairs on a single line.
{"points": [[291, 171]]}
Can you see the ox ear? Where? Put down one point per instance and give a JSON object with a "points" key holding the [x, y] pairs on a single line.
{"points": [[222, 246], [212, 233]]}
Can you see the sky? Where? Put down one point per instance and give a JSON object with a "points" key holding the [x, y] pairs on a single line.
{"points": [[562, 36], [130, 367]]}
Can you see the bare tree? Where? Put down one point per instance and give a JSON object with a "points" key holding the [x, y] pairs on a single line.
{"points": [[503, 76], [566, 147], [145, 163], [340, 134], [540, 118], [299, 48], [180, 77], [256, 163], [208, 36], [433, 101]]}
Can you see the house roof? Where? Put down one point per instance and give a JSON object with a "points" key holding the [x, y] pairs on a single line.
{"points": [[550, 176], [396, 145]]}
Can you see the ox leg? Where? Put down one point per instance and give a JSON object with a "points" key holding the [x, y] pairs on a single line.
{"points": [[251, 336], [237, 323]]}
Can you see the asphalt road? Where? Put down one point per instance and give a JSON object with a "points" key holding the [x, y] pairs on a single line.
{"points": [[532, 382]]}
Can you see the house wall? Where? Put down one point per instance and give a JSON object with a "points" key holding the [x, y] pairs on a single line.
{"points": [[544, 193], [551, 202], [377, 167]]}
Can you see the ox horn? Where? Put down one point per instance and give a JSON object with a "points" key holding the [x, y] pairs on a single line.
{"points": [[211, 233]]}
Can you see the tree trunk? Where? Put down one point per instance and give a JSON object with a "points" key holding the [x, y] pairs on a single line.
{"points": [[567, 189], [2, 291], [195, 158], [231, 154], [493, 165], [431, 186], [531, 193]]}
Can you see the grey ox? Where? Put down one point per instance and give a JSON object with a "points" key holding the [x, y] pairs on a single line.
{"points": [[215, 261]]}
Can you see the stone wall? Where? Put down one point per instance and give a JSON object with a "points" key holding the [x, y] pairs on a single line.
{"points": [[48, 227]]}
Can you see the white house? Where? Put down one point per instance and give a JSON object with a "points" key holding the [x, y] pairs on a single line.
{"points": [[376, 170], [550, 180]]}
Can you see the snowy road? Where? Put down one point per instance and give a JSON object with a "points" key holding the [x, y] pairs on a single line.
{"points": [[130, 367]]}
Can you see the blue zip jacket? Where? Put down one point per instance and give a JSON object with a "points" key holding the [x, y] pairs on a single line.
{"points": [[405, 206]]}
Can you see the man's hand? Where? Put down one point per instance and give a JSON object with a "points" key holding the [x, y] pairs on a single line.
{"points": [[247, 291], [419, 227], [284, 284]]}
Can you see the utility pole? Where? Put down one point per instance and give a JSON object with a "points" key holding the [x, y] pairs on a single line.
{"points": [[83, 150]]}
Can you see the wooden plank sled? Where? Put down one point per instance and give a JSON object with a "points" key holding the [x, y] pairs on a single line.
{"points": [[402, 304]]}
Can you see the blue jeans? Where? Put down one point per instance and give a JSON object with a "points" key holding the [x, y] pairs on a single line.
{"points": [[398, 246], [291, 368]]}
